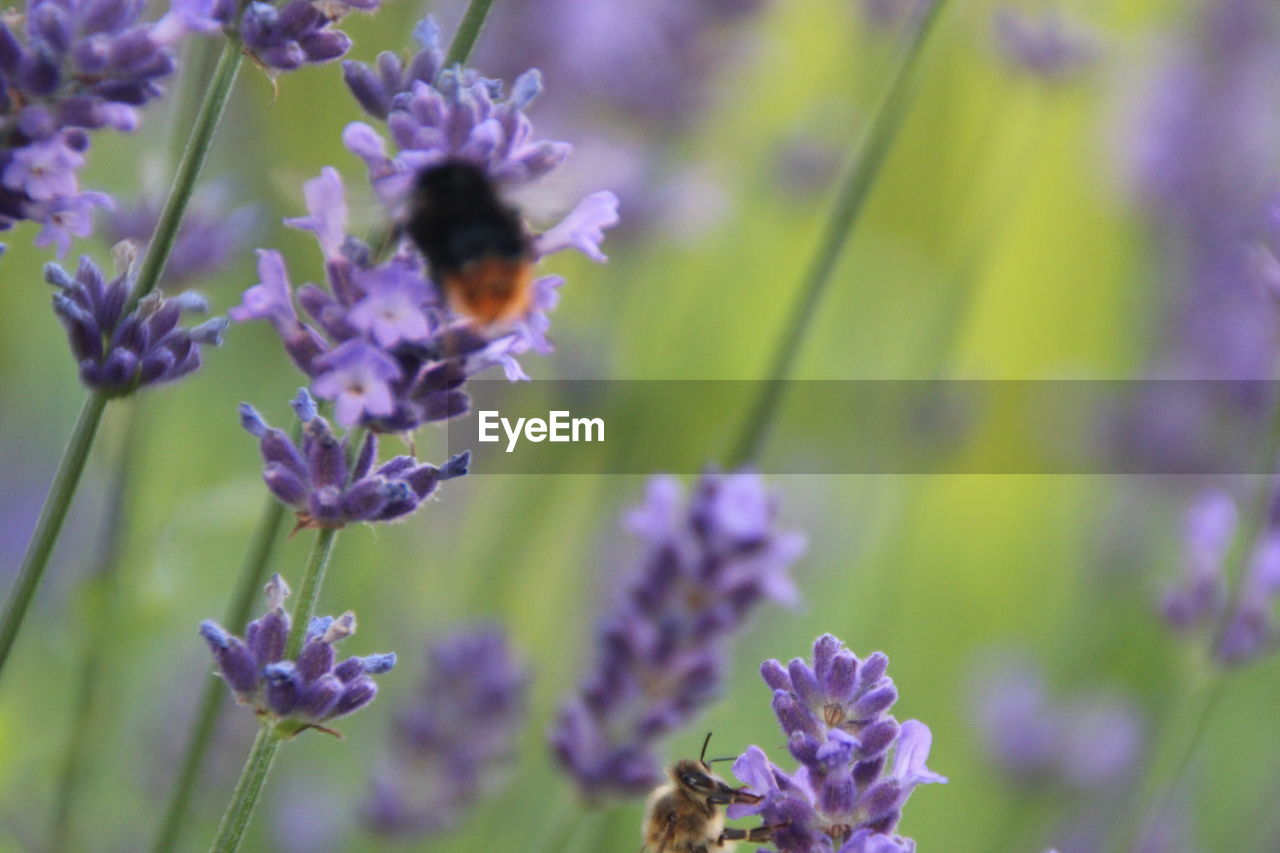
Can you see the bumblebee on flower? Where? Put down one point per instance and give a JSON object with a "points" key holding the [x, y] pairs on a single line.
{"points": [[391, 341]]}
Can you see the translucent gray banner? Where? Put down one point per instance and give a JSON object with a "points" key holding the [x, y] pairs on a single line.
{"points": [[1158, 427]]}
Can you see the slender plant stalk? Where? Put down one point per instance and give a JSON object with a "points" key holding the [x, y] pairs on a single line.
{"points": [[468, 31], [309, 591], [850, 201], [245, 797], [103, 590], [248, 587], [76, 455], [49, 525], [192, 163], [1178, 742], [254, 775]]}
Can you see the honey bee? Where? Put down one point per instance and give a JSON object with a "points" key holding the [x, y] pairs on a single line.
{"points": [[476, 245], [684, 815]]}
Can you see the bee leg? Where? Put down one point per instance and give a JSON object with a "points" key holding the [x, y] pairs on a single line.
{"points": [[755, 835], [670, 834]]}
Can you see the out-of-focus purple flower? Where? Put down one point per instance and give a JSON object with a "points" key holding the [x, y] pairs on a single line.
{"points": [[661, 653], [1200, 593], [658, 74], [314, 479], [451, 741], [384, 345], [1201, 142], [1242, 623], [297, 694], [884, 14], [1205, 159], [1088, 743], [207, 239], [1249, 631], [1047, 46], [68, 67], [846, 795], [118, 350]]}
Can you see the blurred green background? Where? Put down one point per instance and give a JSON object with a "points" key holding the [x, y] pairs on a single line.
{"points": [[999, 243]]}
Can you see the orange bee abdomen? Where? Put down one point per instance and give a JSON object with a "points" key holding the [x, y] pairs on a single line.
{"points": [[490, 290]]}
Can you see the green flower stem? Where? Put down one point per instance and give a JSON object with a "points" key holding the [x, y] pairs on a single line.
{"points": [[1178, 738], [309, 591], [76, 455], [468, 31], [236, 819], [193, 159], [245, 797], [248, 588], [102, 595], [49, 525], [850, 201], [254, 775]]}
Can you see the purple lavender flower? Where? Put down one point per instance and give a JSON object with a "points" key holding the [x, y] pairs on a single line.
{"points": [[451, 741], [434, 114], [659, 79], [313, 478], [281, 37], [1200, 593], [384, 346], [294, 695], [1089, 743], [207, 239], [1243, 623], [658, 74], [661, 653], [835, 714], [1048, 46], [68, 67], [119, 352], [1249, 631], [1205, 162]]}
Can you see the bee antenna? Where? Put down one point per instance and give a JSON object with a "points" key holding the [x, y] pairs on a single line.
{"points": [[718, 760], [705, 742]]}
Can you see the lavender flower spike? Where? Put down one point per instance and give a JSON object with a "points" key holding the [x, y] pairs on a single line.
{"points": [[1201, 592], [1250, 631], [661, 653], [119, 352], [313, 478], [381, 342], [835, 714], [285, 36], [1088, 744], [68, 67], [294, 695], [1049, 46], [451, 741]]}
